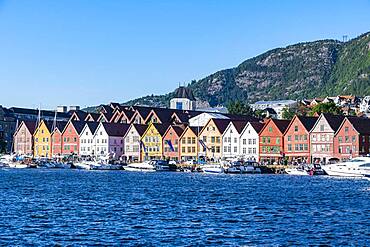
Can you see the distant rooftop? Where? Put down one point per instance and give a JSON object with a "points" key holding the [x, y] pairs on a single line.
{"points": [[271, 102], [184, 92]]}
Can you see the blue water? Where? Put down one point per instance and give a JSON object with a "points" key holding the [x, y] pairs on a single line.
{"points": [[67, 207]]}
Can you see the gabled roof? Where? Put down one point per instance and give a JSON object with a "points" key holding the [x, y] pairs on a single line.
{"points": [[116, 129], [333, 120], [161, 128], [81, 115], [60, 125], [257, 126], [140, 128], [92, 126], [361, 125], [239, 125], [30, 126], [307, 122], [282, 125], [241, 117], [77, 125], [94, 116], [221, 124], [178, 129]]}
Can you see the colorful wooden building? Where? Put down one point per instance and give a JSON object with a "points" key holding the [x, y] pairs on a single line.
{"points": [[189, 144], [132, 139], [42, 139], [249, 141], [23, 138], [297, 139], [271, 139], [171, 144], [86, 139], [152, 141], [352, 138], [71, 137], [56, 138]]}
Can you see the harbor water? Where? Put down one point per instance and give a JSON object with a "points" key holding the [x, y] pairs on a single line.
{"points": [[73, 207]]}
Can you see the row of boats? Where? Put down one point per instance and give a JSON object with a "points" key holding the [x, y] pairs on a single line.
{"points": [[357, 167]]}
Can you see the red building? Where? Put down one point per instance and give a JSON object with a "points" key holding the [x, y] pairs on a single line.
{"points": [[297, 139], [71, 137], [56, 138], [271, 139], [171, 142], [352, 139]]}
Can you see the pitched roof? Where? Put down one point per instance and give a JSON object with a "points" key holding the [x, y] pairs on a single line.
{"points": [[116, 129], [361, 125], [140, 128], [92, 126], [178, 129], [239, 125], [184, 92], [257, 126], [94, 116], [221, 124], [78, 126], [60, 125], [333, 120], [240, 117], [282, 125], [31, 126], [80, 114], [196, 129], [162, 128], [308, 122]]}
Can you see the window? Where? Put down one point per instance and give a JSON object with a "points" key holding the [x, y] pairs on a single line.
{"points": [[295, 137], [289, 138], [270, 129], [217, 149], [322, 127], [235, 140], [217, 139], [263, 139], [212, 139], [235, 149], [244, 141], [296, 128], [346, 129], [277, 140], [225, 149], [244, 150], [353, 138]]}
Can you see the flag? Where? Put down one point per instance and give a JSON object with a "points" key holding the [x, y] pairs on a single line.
{"points": [[170, 145], [142, 145], [203, 145]]}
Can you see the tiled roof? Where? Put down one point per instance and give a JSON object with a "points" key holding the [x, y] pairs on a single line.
{"points": [[362, 125], [116, 129], [60, 125], [196, 129], [95, 116], [78, 125], [31, 126], [162, 128], [178, 129], [80, 114], [184, 92]]}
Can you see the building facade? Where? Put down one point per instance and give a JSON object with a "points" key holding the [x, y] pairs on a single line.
{"points": [[189, 144], [152, 141], [132, 146], [23, 138], [42, 139], [87, 139], [171, 144], [71, 137], [249, 141]]}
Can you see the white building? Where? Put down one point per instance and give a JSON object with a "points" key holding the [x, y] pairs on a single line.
{"points": [[365, 104], [183, 99], [231, 139], [131, 140], [202, 119], [277, 105], [86, 139], [249, 141], [108, 139]]}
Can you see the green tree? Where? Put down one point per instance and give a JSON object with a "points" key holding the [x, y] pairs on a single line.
{"points": [[238, 107], [288, 114], [329, 107]]}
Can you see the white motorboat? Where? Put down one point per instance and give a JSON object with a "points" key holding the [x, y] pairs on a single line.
{"points": [[60, 165], [356, 167], [84, 165], [141, 167], [297, 171], [106, 167], [213, 169]]}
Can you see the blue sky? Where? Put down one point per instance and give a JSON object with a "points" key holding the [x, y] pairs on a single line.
{"points": [[87, 52]]}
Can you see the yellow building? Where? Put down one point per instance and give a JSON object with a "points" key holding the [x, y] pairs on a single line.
{"points": [[42, 139], [151, 141], [211, 138], [189, 144]]}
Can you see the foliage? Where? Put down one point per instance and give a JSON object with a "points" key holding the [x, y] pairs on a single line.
{"points": [[288, 113], [238, 107], [329, 107]]}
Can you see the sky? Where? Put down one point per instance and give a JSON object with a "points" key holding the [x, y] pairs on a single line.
{"points": [[89, 52]]}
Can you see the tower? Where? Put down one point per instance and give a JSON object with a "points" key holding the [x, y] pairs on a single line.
{"points": [[183, 99]]}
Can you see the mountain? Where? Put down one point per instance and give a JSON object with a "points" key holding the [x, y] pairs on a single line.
{"points": [[304, 70]]}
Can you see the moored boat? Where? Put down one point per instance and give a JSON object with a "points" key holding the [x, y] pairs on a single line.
{"points": [[357, 167], [213, 169], [141, 167]]}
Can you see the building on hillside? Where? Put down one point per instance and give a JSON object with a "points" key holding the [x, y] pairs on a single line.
{"points": [[42, 139], [183, 99], [271, 139], [231, 139], [87, 139], [322, 137], [71, 137], [352, 139], [56, 138], [152, 141], [108, 140], [365, 104], [189, 144], [171, 144], [277, 105], [297, 139], [210, 138], [23, 138], [249, 141], [270, 113], [132, 147]]}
